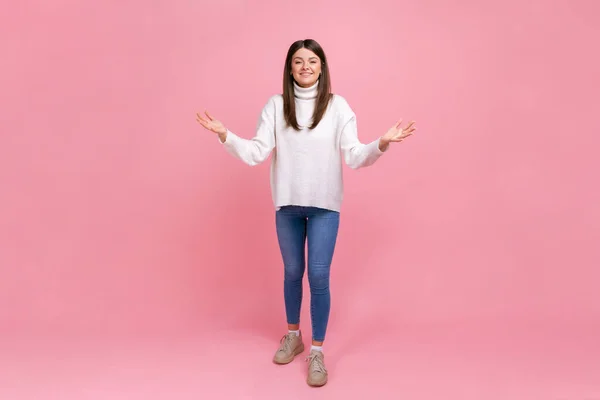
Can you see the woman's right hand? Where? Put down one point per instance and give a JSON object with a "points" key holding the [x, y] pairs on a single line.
{"points": [[212, 125]]}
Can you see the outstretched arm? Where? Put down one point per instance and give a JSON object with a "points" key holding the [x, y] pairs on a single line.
{"points": [[251, 151], [358, 155]]}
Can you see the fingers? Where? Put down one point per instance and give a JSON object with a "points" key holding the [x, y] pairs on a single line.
{"points": [[411, 123], [199, 118], [410, 128], [203, 123], [210, 117], [401, 137]]}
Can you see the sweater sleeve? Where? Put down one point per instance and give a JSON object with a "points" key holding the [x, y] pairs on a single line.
{"points": [[256, 150], [357, 154]]}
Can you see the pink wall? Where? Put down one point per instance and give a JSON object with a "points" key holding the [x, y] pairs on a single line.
{"points": [[119, 214]]}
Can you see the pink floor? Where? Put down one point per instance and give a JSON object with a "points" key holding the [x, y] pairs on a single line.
{"points": [[453, 361]]}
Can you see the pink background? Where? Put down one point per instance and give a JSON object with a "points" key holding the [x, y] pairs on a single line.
{"points": [[139, 259]]}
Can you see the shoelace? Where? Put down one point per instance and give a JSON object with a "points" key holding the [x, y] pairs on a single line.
{"points": [[286, 343], [315, 363]]}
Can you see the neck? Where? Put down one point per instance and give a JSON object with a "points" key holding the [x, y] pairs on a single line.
{"points": [[307, 93]]}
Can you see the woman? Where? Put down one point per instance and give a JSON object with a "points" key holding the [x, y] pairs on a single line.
{"points": [[307, 129]]}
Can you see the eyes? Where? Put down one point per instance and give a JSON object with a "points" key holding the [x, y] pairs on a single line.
{"points": [[299, 62]]}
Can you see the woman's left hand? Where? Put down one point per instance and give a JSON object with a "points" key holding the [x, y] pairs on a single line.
{"points": [[398, 134]]}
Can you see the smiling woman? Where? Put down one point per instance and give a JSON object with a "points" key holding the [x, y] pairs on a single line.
{"points": [[305, 66], [309, 129]]}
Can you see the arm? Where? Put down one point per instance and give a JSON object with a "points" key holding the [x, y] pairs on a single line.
{"points": [[256, 150], [357, 154]]}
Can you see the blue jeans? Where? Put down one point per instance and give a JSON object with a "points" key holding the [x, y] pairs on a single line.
{"points": [[296, 226]]}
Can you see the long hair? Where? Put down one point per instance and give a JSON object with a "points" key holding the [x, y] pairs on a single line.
{"points": [[323, 88]]}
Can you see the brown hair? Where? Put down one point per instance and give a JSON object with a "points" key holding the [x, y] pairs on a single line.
{"points": [[323, 88]]}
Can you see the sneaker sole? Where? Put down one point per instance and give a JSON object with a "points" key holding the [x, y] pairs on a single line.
{"points": [[298, 350], [317, 383]]}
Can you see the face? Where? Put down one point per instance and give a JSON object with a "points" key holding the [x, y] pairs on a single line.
{"points": [[306, 67]]}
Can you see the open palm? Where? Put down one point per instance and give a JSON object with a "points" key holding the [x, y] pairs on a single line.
{"points": [[398, 134], [211, 124]]}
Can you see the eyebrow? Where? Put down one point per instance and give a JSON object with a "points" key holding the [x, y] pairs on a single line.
{"points": [[310, 58]]}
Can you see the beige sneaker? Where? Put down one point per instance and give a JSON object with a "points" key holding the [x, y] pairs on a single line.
{"points": [[317, 373], [291, 346]]}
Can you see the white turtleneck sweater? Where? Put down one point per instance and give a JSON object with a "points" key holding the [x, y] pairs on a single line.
{"points": [[306, 166]]}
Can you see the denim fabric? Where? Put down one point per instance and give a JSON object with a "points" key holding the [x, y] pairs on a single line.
{"points": [[317, 227]]}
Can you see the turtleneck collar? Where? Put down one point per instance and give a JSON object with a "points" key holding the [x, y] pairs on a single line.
{"points": [[308, 93]]}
